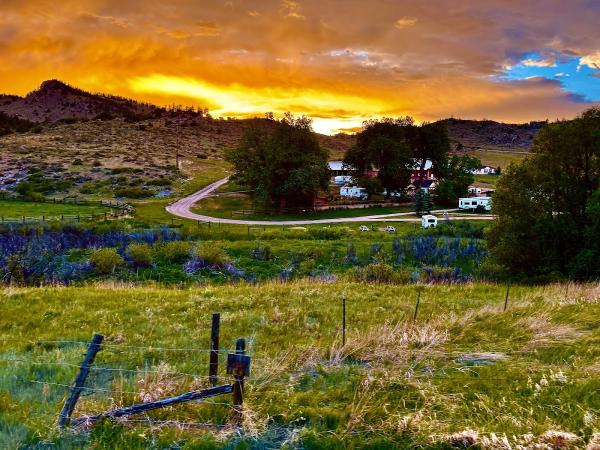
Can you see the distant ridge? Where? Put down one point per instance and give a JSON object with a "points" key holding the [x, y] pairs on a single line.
{"points": [[56, 101]]}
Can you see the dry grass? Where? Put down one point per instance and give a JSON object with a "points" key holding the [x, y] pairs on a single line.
{"points": [[546, 333], [390, 343]]}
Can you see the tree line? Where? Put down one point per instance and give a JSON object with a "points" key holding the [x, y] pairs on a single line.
{"points": [[282, 161]]}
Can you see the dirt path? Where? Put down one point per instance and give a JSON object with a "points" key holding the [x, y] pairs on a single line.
{"points": [[182, 208]]}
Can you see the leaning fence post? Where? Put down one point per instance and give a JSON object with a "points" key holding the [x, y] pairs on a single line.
{"points": [[417, 304], [507, 294], [213, 366], [84, 369]]}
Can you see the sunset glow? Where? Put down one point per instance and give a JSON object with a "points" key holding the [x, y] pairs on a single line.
{"points": [[340, 65]]}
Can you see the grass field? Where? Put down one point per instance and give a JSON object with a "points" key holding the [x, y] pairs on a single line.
{"points": [[225, 205], [498, 158], [464, 372], [13, 209]]}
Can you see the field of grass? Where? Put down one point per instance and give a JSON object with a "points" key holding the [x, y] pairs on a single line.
{"points": [[15, 209], [464, 372], [486, 180], [225, 205], [498, 158]]}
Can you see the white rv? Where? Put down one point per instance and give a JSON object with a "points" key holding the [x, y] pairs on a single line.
{"points": [[429, 221], [474, 202], [354, 192], [342, 179]]}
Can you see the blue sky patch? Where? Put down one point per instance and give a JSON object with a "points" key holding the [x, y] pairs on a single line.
{"points": [[580, 80]]}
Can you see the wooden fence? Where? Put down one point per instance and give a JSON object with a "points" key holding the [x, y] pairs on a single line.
{"points": [[118, 210]]}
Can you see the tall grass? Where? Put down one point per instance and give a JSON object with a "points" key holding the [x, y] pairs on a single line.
{"points": [[465, 370]]}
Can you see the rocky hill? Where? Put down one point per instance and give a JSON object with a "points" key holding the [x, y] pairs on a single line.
{"points": [[472, 135], [55, 101]]}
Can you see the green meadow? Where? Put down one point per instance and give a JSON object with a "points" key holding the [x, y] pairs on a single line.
{"points": [[465, 371]]}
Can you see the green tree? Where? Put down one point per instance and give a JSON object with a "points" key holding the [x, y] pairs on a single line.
{"points": [[422, 202], [283, 163], [547, 205], [459, 176], [393, 145]]}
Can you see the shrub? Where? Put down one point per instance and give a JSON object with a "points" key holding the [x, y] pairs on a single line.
{"points": [[159, 182], [140, 254], [133, 192], [374, 273], [212, 255], [106, 260], [261, 253], [176, 252], [350, 257]]}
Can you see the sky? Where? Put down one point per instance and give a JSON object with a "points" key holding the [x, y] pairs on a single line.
{"points": [[339, 62]]}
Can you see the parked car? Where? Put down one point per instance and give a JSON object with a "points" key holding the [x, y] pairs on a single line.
{"points": [[390, 229], [363, 228]]}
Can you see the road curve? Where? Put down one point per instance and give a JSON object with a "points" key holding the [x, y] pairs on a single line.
{"points": [[182, 208]]}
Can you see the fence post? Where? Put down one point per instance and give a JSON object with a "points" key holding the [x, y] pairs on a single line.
{"points": [[507, 294], [344, 318], [213, 367], [84, 369], [238, 385], [417, 304]]}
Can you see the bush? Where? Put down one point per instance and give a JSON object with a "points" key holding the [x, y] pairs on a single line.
{"points": [[261, 253], [133, 192], [212, 255], [176, 252], [159, 182], [374, 273], [140, 254], [106, 260]]}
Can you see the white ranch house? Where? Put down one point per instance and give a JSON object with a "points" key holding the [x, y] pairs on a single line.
{"points": [[485, 170]]}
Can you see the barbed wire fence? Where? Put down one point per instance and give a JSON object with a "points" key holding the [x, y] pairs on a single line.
{"points": [[157, 386]]}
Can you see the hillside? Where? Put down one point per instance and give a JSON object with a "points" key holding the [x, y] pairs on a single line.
{"points": [[56, 101], [75, 142], [469, 135]]}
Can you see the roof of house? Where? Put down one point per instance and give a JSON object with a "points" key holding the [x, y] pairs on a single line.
{"points": [[336, 165], [428, 165]]}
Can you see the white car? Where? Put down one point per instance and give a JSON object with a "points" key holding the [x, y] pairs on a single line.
{"points": [[363, 228], [390, 229]]}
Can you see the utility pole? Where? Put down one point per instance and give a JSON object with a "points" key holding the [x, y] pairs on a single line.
{"points": [[177, 149]]}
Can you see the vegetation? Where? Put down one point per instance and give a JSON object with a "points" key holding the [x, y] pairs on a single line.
{"points": [[422, 202], [11, 124], [464, 371], [548, 205], [392, 146], [72, 254], [285, 166], [459, 176], [17, 209]]}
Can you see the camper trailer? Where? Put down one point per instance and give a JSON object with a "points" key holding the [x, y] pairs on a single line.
{"points": [[474, 202], [354, 192], [342, 179], [429, 221]]}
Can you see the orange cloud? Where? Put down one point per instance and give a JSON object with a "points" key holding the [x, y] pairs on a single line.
{"points": [[338, 64]]}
